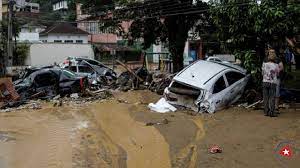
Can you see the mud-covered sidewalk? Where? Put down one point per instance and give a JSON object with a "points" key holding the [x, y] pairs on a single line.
{"points": [[113, 133]]}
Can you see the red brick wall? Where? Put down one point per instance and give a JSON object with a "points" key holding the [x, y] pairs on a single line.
{"points": [[103, 38]]}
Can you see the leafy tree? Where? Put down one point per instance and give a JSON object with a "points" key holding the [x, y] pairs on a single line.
{"points": [[248, 28], [158, 21]]}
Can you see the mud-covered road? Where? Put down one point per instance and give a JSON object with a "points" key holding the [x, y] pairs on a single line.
{"points": [[113, 134]]}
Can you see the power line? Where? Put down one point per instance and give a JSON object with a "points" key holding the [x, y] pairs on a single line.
{"points": [[174, 13]]}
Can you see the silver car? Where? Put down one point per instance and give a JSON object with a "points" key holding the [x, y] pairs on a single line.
{"points": [[206, 86]]}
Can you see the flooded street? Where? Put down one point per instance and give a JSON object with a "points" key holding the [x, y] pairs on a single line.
{"points": [[113, 133]]}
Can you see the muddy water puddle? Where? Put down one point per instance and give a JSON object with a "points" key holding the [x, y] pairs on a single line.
{"points": [[144, 146]]}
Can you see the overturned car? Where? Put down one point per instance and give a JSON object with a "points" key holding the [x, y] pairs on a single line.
{"points": [[49, 82], [207, 86]]}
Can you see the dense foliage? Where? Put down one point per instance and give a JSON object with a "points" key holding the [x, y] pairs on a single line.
{"points": [[248, 28]]}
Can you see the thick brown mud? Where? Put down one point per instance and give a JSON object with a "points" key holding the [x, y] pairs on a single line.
{"points": [[113, 134]]}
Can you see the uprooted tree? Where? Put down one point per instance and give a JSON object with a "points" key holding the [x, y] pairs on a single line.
{"points": [[156, 21]]}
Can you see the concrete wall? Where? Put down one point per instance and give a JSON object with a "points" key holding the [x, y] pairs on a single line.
{"points": [[51, 37], [48, 54]]}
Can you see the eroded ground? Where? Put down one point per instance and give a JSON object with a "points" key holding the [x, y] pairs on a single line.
{"points": [[113, 134]]}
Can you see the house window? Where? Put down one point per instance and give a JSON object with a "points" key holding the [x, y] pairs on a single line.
{"points": [[35, 8], [79, 41], [57, 41], [68, 41]]}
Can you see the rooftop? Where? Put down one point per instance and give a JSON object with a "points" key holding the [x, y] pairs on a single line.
{"points": [[63, 28]]}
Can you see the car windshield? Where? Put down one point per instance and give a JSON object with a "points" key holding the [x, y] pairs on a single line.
{"points": [[27, 81], [68, 74]]}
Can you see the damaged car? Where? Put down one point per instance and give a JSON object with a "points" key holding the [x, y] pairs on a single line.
{"points": [[49, 82], [97, 73], [206, 86]]}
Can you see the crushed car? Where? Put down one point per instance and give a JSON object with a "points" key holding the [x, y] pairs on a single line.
{"points": [[49, 82], [98, 74], [207, 86]]}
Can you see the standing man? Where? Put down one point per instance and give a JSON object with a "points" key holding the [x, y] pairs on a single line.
{"points": [[270, 72], [279, 80]]}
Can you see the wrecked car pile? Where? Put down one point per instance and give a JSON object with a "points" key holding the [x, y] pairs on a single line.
{"points": [[97, 73], [204, 86], [79, 80]]}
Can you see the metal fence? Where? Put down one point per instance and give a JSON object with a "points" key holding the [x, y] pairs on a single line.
{"points": [[152, 61]]}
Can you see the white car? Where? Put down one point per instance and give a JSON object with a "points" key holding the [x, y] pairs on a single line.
{"points": [[206, 86], [216, 59]]}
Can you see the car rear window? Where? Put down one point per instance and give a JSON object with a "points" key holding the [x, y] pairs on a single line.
{"points": [[85, 69], [233, 77], [72, 68], [219, 85], [45, 79]]}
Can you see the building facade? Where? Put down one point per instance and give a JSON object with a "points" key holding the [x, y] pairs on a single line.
{"points": [[29, 7], [59, 5], [30, 32], [64, 33]]}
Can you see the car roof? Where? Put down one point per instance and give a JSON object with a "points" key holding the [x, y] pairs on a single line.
{"points": [[200, 73]]}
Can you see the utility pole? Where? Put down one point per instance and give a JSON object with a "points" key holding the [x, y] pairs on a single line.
{"points": [[9, 60], [2, 55]]}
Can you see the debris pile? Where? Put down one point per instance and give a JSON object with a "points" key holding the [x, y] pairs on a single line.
{"points": [[98, 75], [160, 81], [8, 95]]}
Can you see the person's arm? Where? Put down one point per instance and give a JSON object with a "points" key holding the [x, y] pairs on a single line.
{"points": [[281, 67]]}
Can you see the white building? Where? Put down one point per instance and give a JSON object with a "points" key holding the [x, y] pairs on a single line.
{"points": [[60, 5], [30, 32], [29, 7], [64, 33]]}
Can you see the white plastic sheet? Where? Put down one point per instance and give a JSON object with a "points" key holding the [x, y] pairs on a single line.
{"points": [[162, 106]]}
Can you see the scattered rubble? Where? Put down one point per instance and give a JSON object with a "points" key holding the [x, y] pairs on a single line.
{"points": [[204, 86], [7, 91], [215, 149], [160, 81], [164, 122], [34, 105]]}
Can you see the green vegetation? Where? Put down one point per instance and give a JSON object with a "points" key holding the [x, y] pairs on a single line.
{"points": [[20, 54], [247, 29]]}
